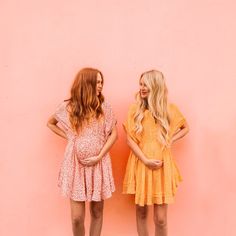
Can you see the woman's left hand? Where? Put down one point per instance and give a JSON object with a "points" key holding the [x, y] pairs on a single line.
{"points": [[90, 161]]}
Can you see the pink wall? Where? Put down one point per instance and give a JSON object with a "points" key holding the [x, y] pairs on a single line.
{"points": [[44, 43]]}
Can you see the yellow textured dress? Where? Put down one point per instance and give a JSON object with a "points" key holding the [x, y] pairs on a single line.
{"points": [[152, 186]]}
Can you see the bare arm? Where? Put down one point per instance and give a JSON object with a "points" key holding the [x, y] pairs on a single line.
{"points": [[180, 133], [150, 163], [107, 146], [52, 125], [110, 141]]}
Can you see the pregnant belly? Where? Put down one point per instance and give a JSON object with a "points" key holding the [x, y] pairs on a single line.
{"points": [[152, 150], [88, 147]]}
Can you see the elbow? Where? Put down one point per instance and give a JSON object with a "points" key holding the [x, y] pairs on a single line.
{"points": [[128, 142], [187, 128], [115, 136], [48, 124], [187, 131], [51, 122]]}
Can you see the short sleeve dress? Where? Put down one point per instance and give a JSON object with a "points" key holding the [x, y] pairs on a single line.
{"points": [[152, 186], [79, 182]]}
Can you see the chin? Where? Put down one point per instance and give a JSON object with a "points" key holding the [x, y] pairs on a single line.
{"points": [[143, 96]]}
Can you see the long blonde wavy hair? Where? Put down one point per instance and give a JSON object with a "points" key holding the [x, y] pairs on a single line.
{"points": [[84, 103], [156, 103]]}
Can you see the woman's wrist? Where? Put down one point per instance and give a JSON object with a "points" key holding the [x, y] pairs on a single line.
{"points": [[99, 156], [144, 160]]}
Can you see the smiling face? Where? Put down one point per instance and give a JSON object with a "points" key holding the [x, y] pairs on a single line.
{"points": [[99, 83], [143, 89]]}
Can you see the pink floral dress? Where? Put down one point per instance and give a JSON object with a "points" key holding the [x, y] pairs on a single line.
{"points": [[79, 182]]}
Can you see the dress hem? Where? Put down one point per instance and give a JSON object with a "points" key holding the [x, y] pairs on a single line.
{"points": [[107, 196]]}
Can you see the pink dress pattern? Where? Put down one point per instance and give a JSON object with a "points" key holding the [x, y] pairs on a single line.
{"points": [[79, 182]]}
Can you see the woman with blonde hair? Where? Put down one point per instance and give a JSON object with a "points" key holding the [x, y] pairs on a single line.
{"points": [[88, 124], [152, 126]]}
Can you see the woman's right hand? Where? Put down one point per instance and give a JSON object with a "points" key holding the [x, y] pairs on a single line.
{"points": [[153, 164]]}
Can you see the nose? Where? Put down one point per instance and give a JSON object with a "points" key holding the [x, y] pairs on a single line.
{"points": [[142, 87]]}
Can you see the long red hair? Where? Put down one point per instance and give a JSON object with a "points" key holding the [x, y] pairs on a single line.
{"points": [[84, 103]]}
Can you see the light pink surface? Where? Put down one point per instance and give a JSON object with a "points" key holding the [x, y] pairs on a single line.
{"points": [[44, 43]]}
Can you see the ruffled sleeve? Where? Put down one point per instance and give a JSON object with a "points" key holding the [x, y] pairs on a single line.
{"points": [[61, 115], [177, 120], [129, 124], [110, 120]]}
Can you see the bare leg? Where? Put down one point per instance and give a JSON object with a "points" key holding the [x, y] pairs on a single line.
{"points": [[141, 220], [77, 217], [96, 212], [160, 219]]}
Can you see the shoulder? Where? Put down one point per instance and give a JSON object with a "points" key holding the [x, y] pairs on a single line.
{"points": [[174, 110], [62, 107], [133, 107], [61, 113], [132, 110], [172, 107], [107, 109], [106, 106]]}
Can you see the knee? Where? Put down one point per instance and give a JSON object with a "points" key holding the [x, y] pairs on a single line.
{"points": [[141, 212], [96, 211], [77, 220], [161, 222]]}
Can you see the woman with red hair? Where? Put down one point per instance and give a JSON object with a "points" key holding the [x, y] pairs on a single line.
{"points": [[88, 124]]}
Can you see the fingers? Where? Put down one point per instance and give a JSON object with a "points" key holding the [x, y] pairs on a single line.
{"points": [[83, 162], [88, 162], [155, 164], [155, 160], [159, 165], [87, 159]]}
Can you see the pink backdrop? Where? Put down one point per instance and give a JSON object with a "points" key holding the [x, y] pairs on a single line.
{"points": [[44, 43]]}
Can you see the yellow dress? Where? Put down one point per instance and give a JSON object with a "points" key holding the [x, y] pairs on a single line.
{"points": [[152, 186]]}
